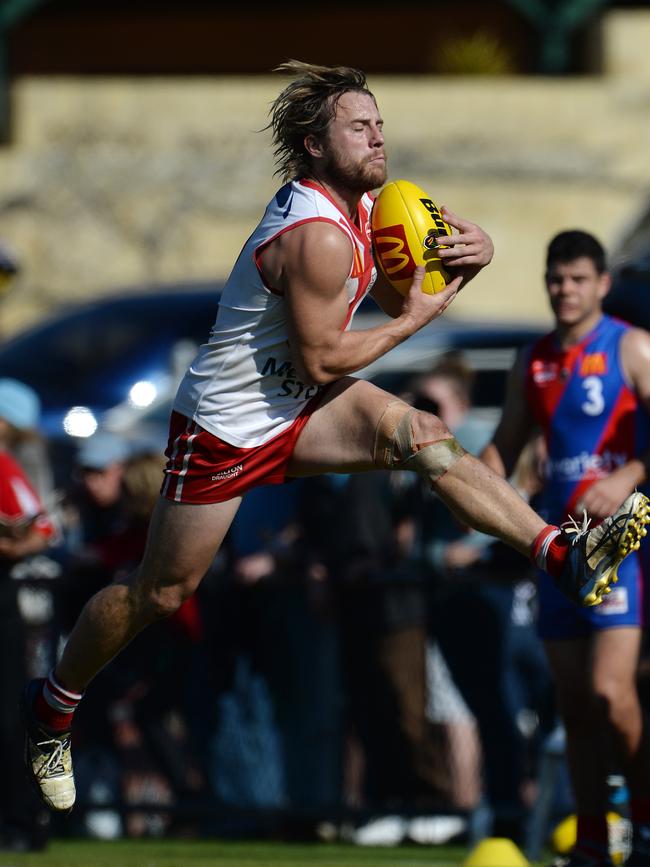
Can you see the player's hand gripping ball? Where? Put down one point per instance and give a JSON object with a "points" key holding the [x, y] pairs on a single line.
{"points": [[405, 223]]}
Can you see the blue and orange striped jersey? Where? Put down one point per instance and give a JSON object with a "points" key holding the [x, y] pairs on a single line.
{"points": [[591, 418]]}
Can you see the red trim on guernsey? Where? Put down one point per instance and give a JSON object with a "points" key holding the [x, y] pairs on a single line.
{"points": [[364, 280], [258, 250], [544, 401], [312, 185]]}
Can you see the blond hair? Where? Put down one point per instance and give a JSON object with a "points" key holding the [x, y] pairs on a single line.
{"points": [[305, 107]]}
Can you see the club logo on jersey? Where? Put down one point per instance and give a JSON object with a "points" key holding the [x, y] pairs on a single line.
{"points": [[593, 364], [393, 251], [284, 199], [544, 371]]}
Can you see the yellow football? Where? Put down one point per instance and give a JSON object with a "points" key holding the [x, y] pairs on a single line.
{"points": [[405, 223]]}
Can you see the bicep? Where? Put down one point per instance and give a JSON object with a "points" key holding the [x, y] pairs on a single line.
{"points": [[316, 262]]}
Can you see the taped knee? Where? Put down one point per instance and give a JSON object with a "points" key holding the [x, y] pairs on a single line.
{"points": [[396, 449]]}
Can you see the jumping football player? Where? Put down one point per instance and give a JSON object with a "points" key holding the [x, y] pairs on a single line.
{"points": [[587, 385], [270, 397]]}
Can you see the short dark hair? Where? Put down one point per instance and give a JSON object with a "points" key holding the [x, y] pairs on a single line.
{"points": [[305, 107], [574, 244]]}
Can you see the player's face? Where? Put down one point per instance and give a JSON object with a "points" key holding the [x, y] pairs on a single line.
{"points": [[354, 149], [576, 290]]}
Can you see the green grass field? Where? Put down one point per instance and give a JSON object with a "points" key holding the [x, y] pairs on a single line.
{"points": [[175, 853]]}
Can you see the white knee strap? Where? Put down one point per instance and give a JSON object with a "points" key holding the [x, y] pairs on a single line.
{"points": [[395, 448]]}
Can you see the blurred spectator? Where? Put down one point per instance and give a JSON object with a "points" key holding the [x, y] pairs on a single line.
{"points": [[586, 385], [277, 742], [93, 513], [21, 408], [456, 730], [357, 528], [446, 391], [483, 589], [449, 548], [148, 728], [25, 530], [98, 493]]}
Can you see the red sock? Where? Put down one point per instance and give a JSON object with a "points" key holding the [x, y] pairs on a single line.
{"points": [[55, 705], [640, 811], [549, 550], [592, 837]]}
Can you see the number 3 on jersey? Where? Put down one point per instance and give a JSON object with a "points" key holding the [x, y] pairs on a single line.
{"points": [[595, 402]]}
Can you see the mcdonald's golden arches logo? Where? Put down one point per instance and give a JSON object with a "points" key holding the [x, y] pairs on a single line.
{"points": [[393, 251], [593, 364]]}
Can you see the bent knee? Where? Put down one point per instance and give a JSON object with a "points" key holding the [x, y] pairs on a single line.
{"points": [[407, 438], [608, 701], [616, 701], [160, 601], [428, 428], [165, 601]]}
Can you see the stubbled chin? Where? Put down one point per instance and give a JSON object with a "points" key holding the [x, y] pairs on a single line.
{"points": [[376, 176]]}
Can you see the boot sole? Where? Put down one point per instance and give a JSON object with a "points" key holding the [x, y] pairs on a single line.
{"points": [[634, 531]]}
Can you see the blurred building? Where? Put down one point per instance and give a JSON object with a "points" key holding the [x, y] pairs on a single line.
{"points": [[136, 130]]}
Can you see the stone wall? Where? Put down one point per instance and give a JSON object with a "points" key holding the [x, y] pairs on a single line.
{"points": [[112, 183]]}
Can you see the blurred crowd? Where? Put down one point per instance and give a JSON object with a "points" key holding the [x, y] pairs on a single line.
{"points": [[356, 662]]}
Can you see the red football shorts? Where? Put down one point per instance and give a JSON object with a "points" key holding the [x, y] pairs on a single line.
{"points": [[201, 468]]}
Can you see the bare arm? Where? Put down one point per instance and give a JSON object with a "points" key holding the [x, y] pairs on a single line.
{"points": [[515, 426], [21, 542], [605, 495], [312, 263]]}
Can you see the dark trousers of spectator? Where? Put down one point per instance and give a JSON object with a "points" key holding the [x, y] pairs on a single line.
{"points": [[385, 677], [500, 669], [24, 819]]}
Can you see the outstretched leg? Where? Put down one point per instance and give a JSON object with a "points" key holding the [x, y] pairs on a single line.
{"points": [[183, 540], [182, 543], [344, 435], [361, 427]]}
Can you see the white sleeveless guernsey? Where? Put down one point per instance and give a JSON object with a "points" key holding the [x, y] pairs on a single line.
{"points": [[242, 386]]}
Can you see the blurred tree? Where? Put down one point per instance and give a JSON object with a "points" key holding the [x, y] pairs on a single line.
{"points": [[11, 11], [481, 53], [556, 20]]}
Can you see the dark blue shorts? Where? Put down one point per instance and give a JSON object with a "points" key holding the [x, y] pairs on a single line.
{"points": [[624, 606]]}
